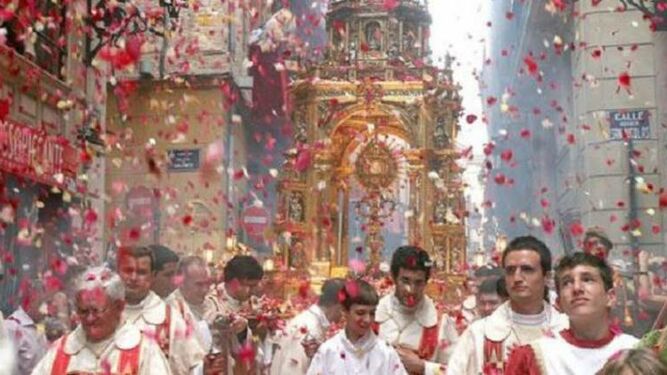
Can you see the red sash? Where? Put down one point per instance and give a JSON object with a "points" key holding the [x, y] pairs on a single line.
{"points": [[62, 359], [493, 356], [429, 342], [162, 332], [375, 326], [128, 363]]}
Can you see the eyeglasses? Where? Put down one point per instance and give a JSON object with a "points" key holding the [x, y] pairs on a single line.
{"points": [[96, 313]]}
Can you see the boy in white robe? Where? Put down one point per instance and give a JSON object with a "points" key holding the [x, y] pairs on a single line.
{"points": [[356, 349], [586, 294]]}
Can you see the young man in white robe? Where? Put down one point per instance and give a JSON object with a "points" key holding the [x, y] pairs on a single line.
{"points": [[408, 319], [485, 345], [356, 349], [101, 344], [306, 331], [154, 318], [231, 300], [585, 293]]}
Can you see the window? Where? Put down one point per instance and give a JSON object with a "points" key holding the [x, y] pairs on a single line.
{"points": [[47, 19]]}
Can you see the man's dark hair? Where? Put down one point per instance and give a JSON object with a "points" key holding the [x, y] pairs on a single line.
{"points": [[579, 258], [411, 258], [488, 271], [243, 267], [162, 256], [136, 252], [358, 292], [330, 290], [489, 286], [530, 243], [501, 289]]}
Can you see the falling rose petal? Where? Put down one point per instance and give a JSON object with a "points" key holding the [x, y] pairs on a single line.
{"points": [[471, 118], [491, 100], [655, 229], [352, 288], [662, 199], [531, 65], [134, 234], [187, 220], [624, 82], [303, 160], [4, 108], [52, 284], [500, 179], [571, 139], [357, 266], [525, 133], [390, 5], [548, 225], [506, 155], [488, 148], [576, 229], [596, 54], [59, 266]]}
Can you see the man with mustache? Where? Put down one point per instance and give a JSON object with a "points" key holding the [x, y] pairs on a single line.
{"points": [[408, 318], [585, 293], [525, 317]]}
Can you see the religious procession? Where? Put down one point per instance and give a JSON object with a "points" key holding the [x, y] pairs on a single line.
{"points": [[333, 187]]}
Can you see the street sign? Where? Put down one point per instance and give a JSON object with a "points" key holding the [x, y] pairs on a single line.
{"points": [[255, 220], [629, 124], [183, 160]]}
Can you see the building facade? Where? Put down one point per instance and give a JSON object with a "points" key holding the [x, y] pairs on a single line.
{"points": [[50, 193], [592, 142]]}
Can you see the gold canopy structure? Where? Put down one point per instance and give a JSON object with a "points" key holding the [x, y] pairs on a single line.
{"points": [[376, 114]]}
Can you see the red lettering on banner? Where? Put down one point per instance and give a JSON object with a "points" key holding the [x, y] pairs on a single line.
{"points": [[33, 154]]}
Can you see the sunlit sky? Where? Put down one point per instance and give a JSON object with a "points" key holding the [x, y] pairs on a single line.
{"points": [[459, 27]]}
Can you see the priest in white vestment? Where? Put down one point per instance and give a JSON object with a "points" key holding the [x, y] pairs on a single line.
{"points": [[194, 283], [101, 344], [485, 345]]}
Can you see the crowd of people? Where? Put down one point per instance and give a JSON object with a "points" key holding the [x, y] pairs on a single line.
{"points": [[156, 313]]}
